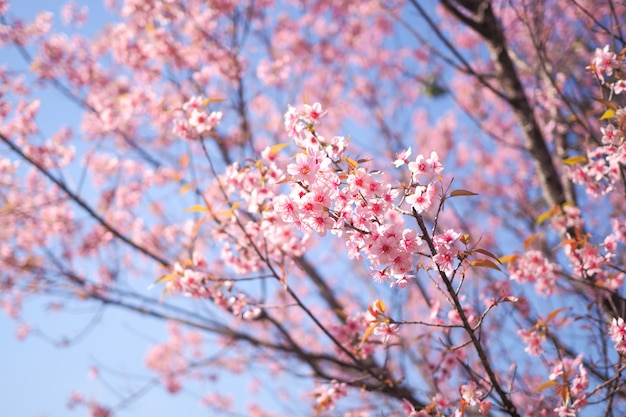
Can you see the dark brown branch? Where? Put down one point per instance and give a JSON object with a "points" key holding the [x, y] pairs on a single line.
{"points": [[507, 404], [78, 200]]}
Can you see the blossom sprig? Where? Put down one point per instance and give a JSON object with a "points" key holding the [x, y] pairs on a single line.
{"points": [[603, 166], [534, 267], [605, 62], [198, 121], [471, 396], [331, 192], [380, 323], [327, 395], [572, 390], [617, 332], [190, 279]]}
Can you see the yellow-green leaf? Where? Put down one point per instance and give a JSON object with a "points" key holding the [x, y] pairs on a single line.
{"points": [[458, 193], [164, 278], [608, 114], [367, 333], [196, 227], [276, 148], [198, 208], [485, 263], [578, 159], [185, 188], [353, 164], [509, 259], [546, 215], [231, 211], [545, 385]]}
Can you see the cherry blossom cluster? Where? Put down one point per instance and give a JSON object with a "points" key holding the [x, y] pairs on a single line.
{"points": [[568, 218], [575, 387], [533, 267], [188, 280], [617, 332], [445, 362], [198, 120], [191, 280], [377, 318], [252, 226], [533, 339], [331, 192], [606, 62], [350, 335], [603, 168], [470, 397], [588, 260], [327, 395], [95, 409], [170, 358], [72, 14]]}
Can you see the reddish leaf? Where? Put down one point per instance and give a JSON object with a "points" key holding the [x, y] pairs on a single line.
{"points": [[487, 253], [529, 240], [458, 193], [554, 313], [485, 263], [606, 102]]}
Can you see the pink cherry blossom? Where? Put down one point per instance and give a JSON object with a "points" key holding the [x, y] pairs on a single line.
{"points": [[604, 62], [470, 393]]}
